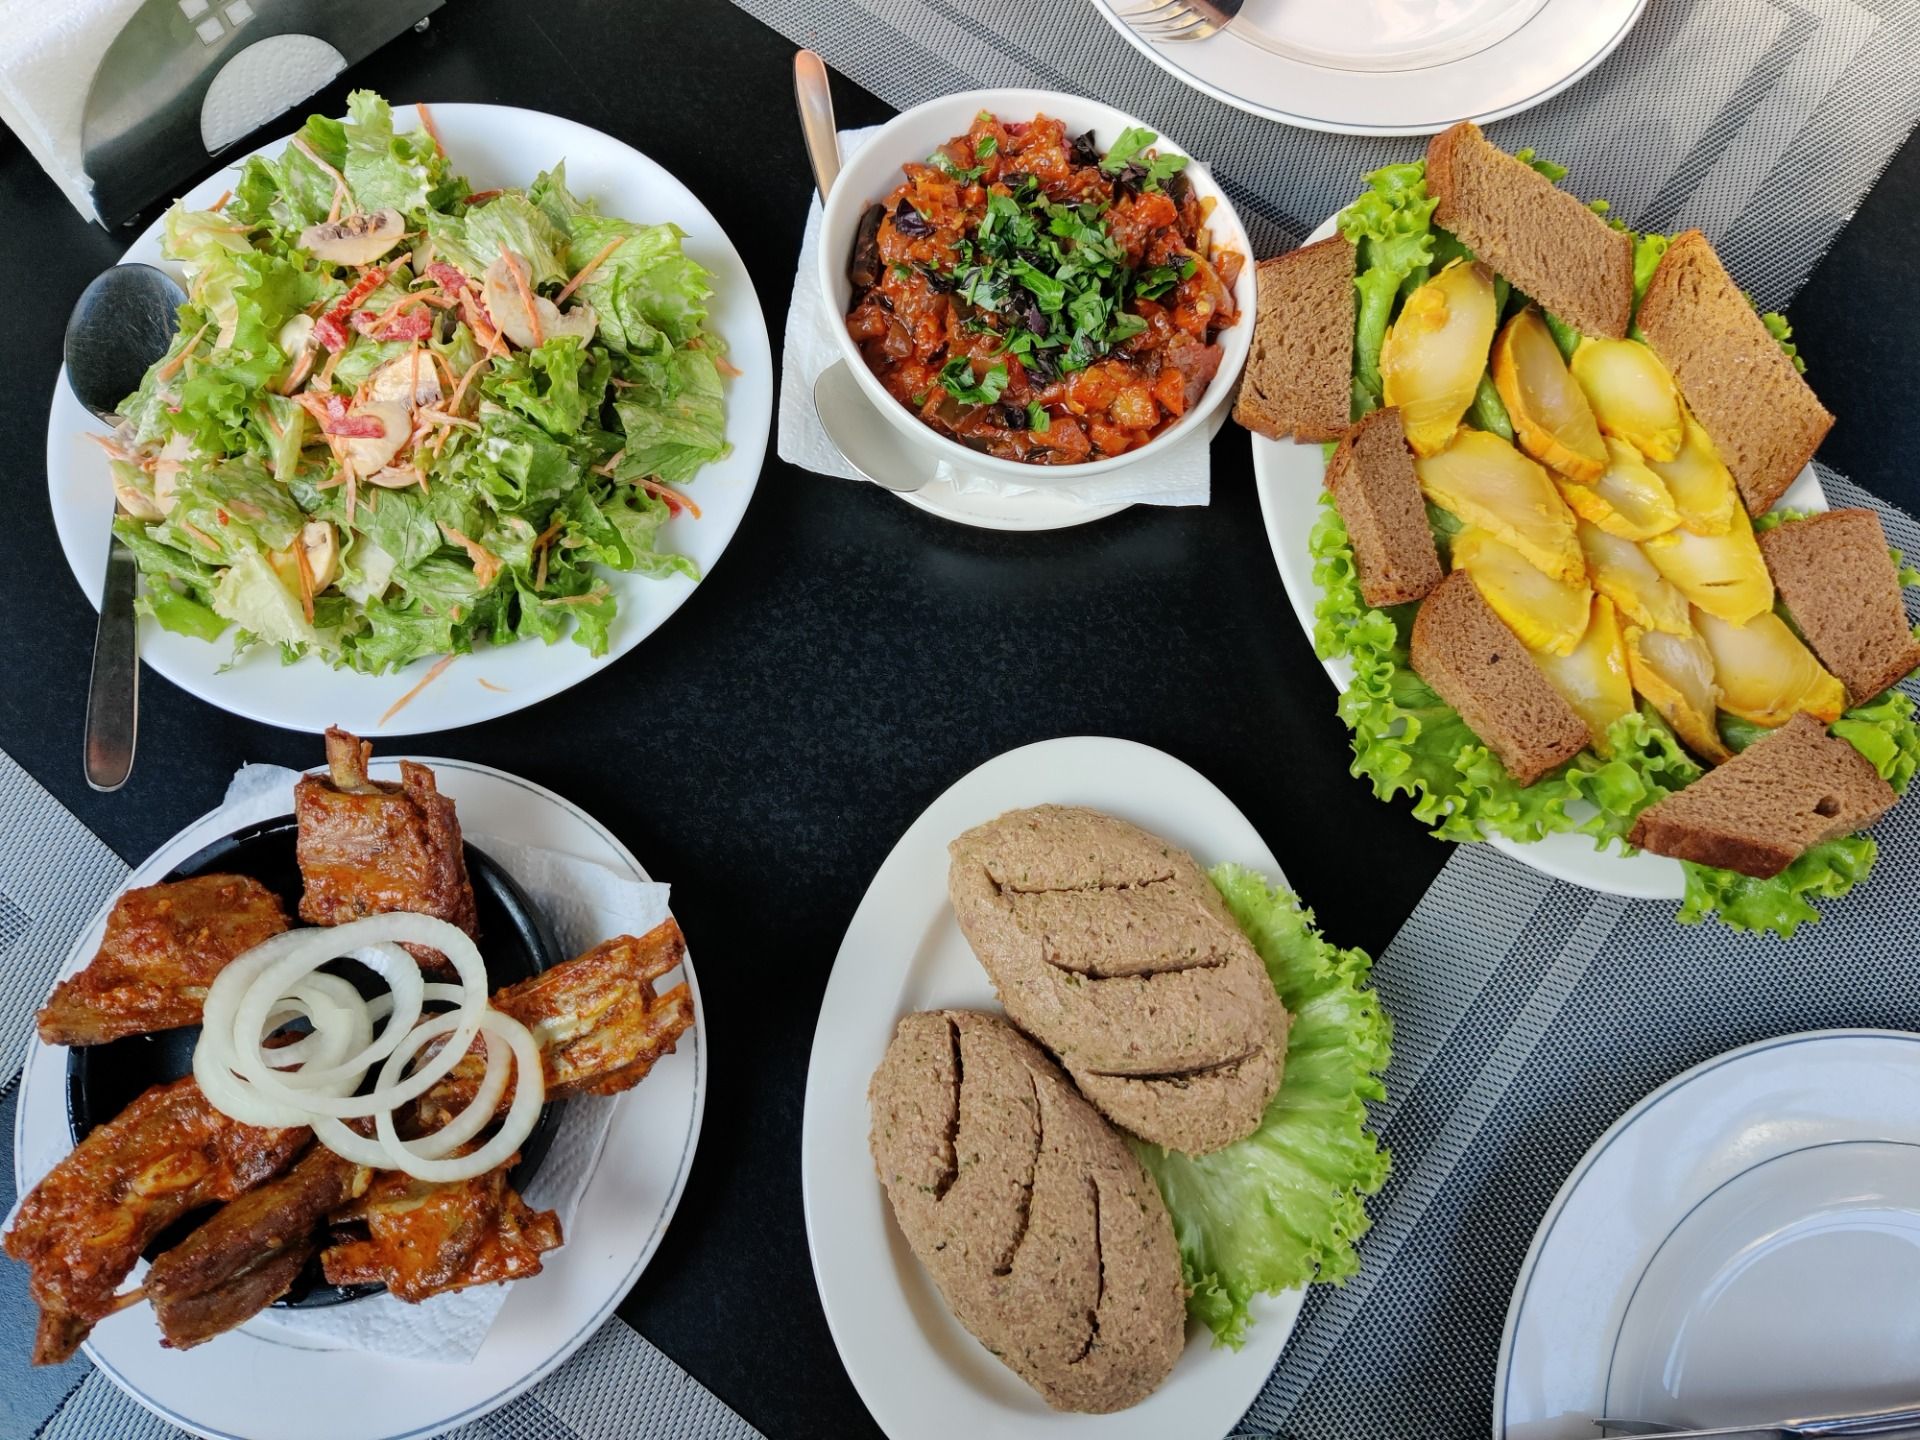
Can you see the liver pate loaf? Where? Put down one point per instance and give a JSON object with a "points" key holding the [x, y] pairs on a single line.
{"points": [[1045, 1235], [1112, 948]]}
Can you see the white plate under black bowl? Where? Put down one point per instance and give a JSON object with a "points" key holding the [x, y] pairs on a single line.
{"points": [[266, 1380], [102, 1080]]}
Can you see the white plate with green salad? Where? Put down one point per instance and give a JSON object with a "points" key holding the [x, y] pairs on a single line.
{"points": [[533, 492], [1572, 823]]}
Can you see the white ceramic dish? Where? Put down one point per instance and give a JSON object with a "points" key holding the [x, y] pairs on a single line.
{"points": [[922, 1376], [491, 145], [995, 509], [1287, 478], [1392, 67], [873, 171], [1741, 1246], [242, 1385]]}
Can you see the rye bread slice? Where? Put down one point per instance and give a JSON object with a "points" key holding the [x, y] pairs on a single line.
{"points": [[1770, 804], [1742, 388], [1377, 492], [1299, 376], [1045, 1235], [1838, 579], [1540, 237], [1479, 667]]}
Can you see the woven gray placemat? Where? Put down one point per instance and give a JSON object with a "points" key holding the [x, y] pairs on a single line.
{"points": [[1762, 122], [1528, 1015], [54, 875]]}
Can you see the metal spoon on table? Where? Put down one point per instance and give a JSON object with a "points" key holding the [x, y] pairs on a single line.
{"points": [[863, 437], [122, 323]]}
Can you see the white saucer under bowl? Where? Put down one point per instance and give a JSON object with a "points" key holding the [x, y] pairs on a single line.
{"points": [[965, 500]]}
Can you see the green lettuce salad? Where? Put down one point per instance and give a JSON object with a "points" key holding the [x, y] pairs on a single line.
{"points": [[1407, 740], [1285, 1206], [402, 417]]}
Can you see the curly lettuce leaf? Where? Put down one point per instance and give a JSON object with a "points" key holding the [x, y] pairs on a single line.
{"points": [[1782, 334], [1392, 226], [1407, 740], [558, 385], [385, 170], [1285, 1206], [1883, 730], [1784, 903], [674, 417]]}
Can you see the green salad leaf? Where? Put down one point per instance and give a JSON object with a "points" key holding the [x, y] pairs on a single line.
{"points": [[1392, 226], [1784, 903], [558, 466], [1285, 1206]]}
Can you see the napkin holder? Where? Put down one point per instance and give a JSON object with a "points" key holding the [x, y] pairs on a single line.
{"points": [[185, 79]]}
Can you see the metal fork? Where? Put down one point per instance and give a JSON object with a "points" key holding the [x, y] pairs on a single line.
{"points": [[1180, 19]]}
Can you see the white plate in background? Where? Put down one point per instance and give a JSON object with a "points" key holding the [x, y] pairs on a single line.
{"points": [[1391, 67], [490, 145], [1740, 1247], [921, 1375]]}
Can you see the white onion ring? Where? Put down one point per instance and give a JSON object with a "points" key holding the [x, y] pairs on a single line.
{"points": [[521, 1116], [312, 1080]]}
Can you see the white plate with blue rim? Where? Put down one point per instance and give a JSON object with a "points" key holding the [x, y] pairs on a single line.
{"points": [[1741, 1247], [268, 1381], [490, 145], [1288, 479], [1390, 67]]}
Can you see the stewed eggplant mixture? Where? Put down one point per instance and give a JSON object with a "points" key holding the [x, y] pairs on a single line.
{"points": [[1038, 300]]}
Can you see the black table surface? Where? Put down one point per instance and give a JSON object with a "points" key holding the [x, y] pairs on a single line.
{"points": [[848, 659]]}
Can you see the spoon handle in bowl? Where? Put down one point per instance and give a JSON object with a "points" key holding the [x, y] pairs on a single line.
{"points": [[113, 691]]}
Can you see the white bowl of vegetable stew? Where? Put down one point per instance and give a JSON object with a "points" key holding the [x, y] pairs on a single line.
{"points": [[1036, 285]]}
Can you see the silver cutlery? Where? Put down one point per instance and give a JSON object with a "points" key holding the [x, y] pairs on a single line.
{"points": [[123, 322], [1885, 1424], [1180, 19], [815, 101], [864, 439]]}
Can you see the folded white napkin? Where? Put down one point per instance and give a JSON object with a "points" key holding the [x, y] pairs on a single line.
{"points": [[1178, 476], [46, 69], [584, 903]]}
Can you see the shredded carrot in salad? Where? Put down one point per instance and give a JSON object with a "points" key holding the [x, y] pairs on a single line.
{"points": [[439, 669], [426, 124], [588, 268]]}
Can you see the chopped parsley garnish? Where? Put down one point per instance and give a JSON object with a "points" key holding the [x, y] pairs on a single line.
{"points": [[1038, 421], [988, 145], [1050, 281], [1131, 152], [944, 163], [957, 379]]}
